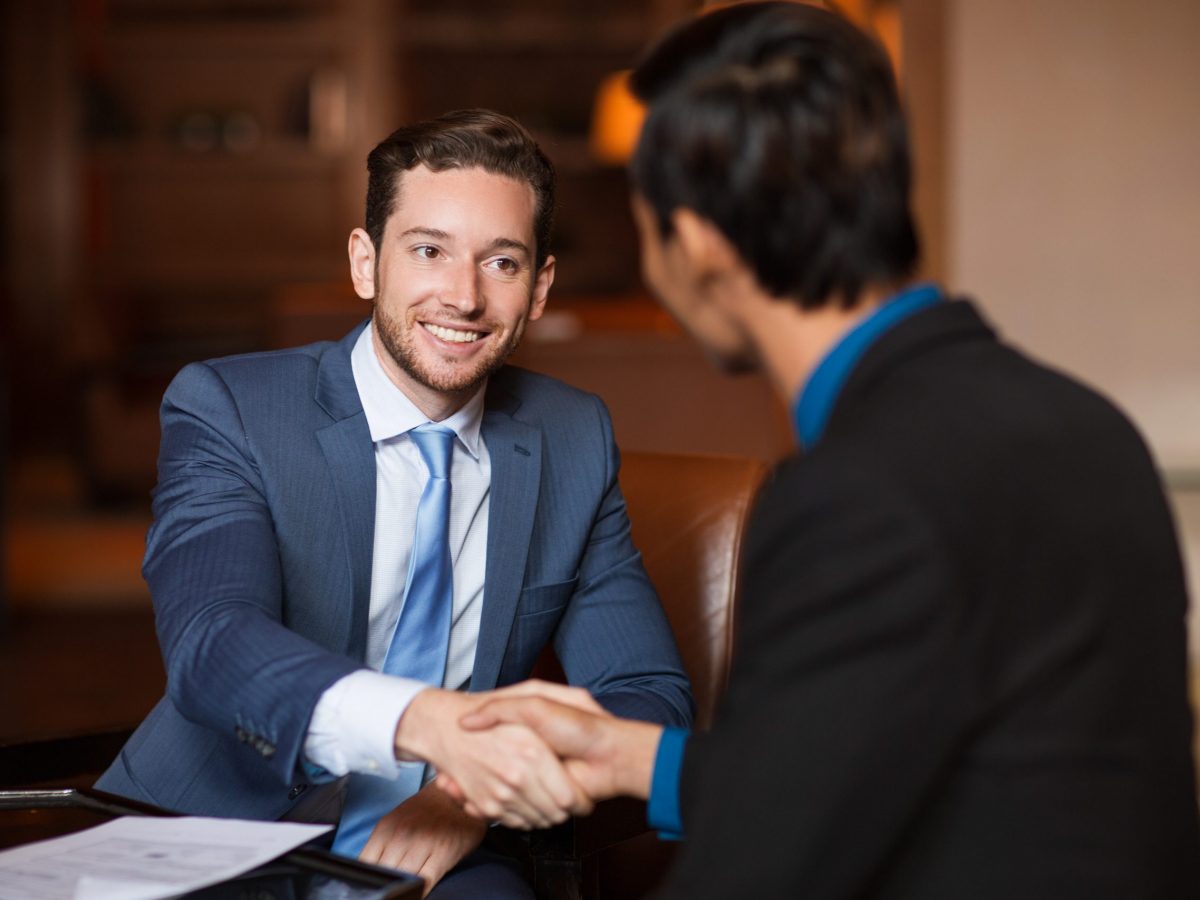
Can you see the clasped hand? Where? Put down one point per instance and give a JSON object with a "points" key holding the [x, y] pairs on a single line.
{"points": [[501, 771], [531, 754]]}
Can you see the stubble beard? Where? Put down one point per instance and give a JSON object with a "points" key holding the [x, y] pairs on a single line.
{"points": [[400, 343]]}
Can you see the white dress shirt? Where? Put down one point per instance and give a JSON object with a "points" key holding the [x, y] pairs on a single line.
{"points": [[354, 722]]}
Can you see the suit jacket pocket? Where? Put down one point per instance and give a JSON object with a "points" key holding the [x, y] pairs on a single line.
{"points": [[539, 611], [546, 598]]}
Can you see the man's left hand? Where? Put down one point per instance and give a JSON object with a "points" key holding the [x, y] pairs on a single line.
{"points": [[428, 834]]}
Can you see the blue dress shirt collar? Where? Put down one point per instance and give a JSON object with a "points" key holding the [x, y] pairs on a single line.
{"points": [[820, 392]]}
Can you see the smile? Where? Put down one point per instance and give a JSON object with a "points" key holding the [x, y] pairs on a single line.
{"points": [[453, 335]]}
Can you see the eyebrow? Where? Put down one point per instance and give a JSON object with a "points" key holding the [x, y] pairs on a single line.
{"points": [[508, 244], [500, 243], [422, 231]]}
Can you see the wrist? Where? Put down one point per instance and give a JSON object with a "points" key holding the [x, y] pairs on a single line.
{"points": [[453, 811], [421, 727], [636, 749]]}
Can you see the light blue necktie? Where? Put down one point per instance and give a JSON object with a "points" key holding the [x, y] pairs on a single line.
{"points": [[422, 635]]}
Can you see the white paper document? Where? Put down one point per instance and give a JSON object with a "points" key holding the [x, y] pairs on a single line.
{"points": [[144, 857]]}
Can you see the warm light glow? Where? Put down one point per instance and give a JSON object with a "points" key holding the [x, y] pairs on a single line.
{"points": [[880, 18], [616, 120], [617, 115]]}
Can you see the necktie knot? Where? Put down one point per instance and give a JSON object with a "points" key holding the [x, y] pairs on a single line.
{"points": [[436, 443]]}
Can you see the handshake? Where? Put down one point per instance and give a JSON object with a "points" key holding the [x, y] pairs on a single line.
{"points": [[529, 755]]}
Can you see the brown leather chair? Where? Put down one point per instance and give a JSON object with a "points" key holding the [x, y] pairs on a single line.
{"points": [[688, 515]]}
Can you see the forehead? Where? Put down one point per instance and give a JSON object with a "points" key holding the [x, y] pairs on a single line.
{"points": [[466, 203]]}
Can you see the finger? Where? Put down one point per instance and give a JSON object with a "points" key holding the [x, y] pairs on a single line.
{"points": [[532, 772], [450, 788], [567, 731], [582, 803], [545, 786], [528, 710], [472, 810], [377, 841], [432, 872], [404, 855], [575, 697], [521, 797], [528, 806], [509, 793], [514, 773], [521, 823]]}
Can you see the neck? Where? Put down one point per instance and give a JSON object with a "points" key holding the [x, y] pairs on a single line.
{"points": [[791, 341]]}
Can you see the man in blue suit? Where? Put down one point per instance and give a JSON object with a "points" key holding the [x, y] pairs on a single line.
{"points": [[290, 485]]}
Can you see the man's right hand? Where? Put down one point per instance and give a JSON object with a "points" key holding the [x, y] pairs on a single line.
{"points": [[507, 771]]}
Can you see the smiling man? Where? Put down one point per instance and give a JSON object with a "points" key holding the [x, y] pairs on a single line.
{"points": [[349, 535]]}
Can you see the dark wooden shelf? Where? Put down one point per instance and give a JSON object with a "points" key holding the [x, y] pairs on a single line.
{"points": [[523, 31], [205, 40], [158, 159]]}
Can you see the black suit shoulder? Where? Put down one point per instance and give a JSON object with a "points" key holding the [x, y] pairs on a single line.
{"points": [[962, 667]]}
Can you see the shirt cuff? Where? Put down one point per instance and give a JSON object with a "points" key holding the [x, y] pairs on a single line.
{"points": [[353, 725], [663, 812]]}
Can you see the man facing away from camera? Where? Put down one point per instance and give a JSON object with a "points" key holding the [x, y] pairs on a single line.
{"points": [[348, 536], [961, 664]]}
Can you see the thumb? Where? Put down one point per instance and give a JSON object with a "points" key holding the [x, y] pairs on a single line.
{"points": [[498, 712]]}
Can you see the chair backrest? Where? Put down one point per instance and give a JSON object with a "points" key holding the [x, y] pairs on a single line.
{"points": [[688, 515]]}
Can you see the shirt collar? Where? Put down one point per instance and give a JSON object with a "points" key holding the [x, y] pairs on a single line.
{"points": [[391, 413], [815, 403]]}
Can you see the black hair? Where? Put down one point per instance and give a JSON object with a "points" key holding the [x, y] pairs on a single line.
{"points": [[781, 124]]}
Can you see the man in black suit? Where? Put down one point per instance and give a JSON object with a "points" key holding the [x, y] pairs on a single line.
{"points": [[961, 666]]}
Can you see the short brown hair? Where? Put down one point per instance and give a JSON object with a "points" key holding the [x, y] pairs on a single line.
{"points": [[465, 138]]}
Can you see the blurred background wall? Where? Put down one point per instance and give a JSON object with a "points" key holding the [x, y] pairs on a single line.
{"points": [[179, 177], [1072, 135]]}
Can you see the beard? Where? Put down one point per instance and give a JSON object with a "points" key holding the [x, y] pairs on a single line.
{"points": [[448, 377]]}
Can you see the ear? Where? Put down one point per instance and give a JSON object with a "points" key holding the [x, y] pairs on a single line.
{"points": [[541, 289], [708, 252], [362, 264]]}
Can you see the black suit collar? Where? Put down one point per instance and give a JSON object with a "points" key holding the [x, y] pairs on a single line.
{"points": [[951, 322]]}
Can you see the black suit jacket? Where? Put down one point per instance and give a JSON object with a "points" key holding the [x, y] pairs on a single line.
{"points": [[961, 671]]}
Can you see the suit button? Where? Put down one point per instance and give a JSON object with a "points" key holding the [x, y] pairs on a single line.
{"points": [[297, 791]]}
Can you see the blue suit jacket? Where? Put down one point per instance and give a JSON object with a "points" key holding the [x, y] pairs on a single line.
{"points": [[259, 563]]}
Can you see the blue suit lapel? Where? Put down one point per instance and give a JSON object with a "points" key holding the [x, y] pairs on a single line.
{"points": [[350, 455], [515, 449]]}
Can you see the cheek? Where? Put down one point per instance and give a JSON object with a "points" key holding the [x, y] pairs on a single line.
{"points": [[507, 299], [652, 267], [400, 288]]}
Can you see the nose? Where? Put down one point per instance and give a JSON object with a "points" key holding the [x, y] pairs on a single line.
{"points": [[464, 294]]}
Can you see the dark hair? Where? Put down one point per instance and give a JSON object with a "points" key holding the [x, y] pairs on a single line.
{"points": [[465, 138], [781, 124]]}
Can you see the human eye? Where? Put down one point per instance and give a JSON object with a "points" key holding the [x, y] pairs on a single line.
{"points": [[505, 265], [427, 251]]}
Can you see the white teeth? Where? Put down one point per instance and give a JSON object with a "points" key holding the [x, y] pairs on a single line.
{"points": [[450, 334]]}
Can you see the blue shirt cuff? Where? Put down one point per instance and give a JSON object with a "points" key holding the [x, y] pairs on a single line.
{"points": [[663, 812]]}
